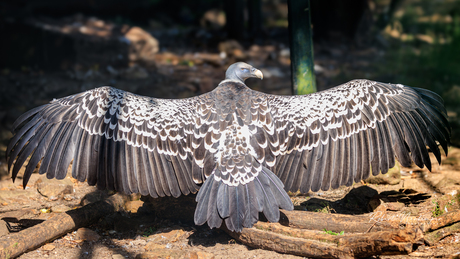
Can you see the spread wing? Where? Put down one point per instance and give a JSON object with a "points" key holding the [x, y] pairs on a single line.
{"points": [[338, 136], [117, 140], [233, 137]]}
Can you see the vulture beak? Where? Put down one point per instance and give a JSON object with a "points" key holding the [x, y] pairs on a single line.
{"points": [[257, 73]]}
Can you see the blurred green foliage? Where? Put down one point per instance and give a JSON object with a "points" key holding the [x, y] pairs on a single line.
{"points": [[425, 48]]}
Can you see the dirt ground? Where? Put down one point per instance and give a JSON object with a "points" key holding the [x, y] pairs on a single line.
{"points": [[140, 232]]}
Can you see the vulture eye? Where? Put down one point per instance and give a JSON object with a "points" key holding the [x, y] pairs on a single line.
{"points": [[245, 70]]}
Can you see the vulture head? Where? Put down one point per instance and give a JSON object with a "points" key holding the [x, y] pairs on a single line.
{"points": [[241, 71]]}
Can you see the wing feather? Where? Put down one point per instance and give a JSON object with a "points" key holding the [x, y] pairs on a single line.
{"points": [[93, 144], [157, 174], [385, 150], [132, 169], [353, 160], [49, 155], [66, 149], [360, 156], [291, 170], [331, 175], [309, 165], [17, 143], [116, 140], [78, 159], [121, 176], [323, 159], [26, 134], [24, 117], [110, 158], [37, 144], [346, 132]]}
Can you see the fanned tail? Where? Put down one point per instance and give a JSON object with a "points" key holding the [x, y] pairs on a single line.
{"points": [[240, 205]]}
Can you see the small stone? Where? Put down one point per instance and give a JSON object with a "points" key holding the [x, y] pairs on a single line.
{"points": [[118, 256], [69, 197], [60, 208], [48, 247], [53, 188], [87, 234], [395, 206], [167, 237], [133, 206], [447, 184]]}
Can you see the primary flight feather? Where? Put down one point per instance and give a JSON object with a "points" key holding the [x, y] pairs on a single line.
{"points": [[240, 149]]}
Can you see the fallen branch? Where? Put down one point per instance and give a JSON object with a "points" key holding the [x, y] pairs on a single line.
{"points": [[334, 222], [13, 245], [433, 237], [311, 243], [443, 220], [293, 236]]}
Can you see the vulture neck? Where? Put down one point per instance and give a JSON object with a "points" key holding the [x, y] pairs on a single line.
{"points": [[232, 83]]}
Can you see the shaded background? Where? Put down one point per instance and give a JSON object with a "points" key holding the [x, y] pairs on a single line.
{"points": [[176, 49]]}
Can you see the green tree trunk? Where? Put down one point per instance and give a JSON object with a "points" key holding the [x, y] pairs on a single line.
{"points": [[301, 45]]}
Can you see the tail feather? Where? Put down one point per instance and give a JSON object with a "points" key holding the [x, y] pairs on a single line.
{"points": [[283, 200], [201, 211], [240, 205], [236, 205], [222, 201], [270, 206], [253, 205], [214, 220]]}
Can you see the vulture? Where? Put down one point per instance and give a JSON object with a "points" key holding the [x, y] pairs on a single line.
{"points": [[240, 150]]}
